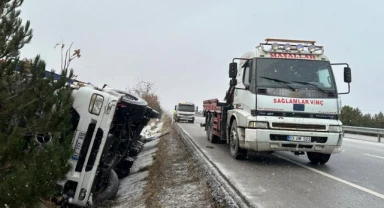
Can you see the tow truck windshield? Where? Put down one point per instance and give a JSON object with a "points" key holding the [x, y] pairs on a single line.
{"points": [[296, 74], [187, 108]]}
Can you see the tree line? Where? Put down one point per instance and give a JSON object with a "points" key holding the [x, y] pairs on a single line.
{"points": [[351, 116]]}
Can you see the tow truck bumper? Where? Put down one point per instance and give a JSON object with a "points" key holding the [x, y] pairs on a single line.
{"points": [[186, 118], [266, 140]]}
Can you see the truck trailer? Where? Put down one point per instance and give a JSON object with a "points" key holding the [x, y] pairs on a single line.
{"points": [[283, 98]]}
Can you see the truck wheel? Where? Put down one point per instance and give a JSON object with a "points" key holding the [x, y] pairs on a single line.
{"points": [[317, 158], [236, 151], [110, 192], [211, 137], [207, 126]]}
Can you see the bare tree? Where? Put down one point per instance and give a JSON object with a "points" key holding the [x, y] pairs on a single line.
{"points": [[146, 90]]}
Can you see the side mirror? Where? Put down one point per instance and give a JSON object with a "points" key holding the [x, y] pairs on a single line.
{"points": [[232, 70], [347, 75], [197, 109], [233, 82], [175, 107]]}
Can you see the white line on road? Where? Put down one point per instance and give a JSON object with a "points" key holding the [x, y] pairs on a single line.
{"points": [[334, 177], [374, 156], [372, 143]]}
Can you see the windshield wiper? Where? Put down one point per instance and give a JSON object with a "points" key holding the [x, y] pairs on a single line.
{"points": [[314, 85], [280, 81]]}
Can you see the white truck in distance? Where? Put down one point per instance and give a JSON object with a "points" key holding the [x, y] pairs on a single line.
{"points": [[185, 111], [283, 98]]}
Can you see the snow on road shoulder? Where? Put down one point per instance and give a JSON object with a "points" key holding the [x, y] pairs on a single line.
{"points": [[132, 188], [176, 179], [163, 175]]}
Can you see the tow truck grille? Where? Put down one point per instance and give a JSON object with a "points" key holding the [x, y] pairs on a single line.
{"points": [[299, 126]]}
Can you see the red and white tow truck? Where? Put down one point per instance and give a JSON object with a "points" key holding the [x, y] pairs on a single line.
{"points": [[283, 98]]}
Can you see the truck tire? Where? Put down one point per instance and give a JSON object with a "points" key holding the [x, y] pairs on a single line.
{"points": [[317, 158], [137, 106], [211, 137], [207, 122], [110, 192], [236, 152]]}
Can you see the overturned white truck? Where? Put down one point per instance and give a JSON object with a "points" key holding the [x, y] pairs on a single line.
{"points": [[107, 124]]}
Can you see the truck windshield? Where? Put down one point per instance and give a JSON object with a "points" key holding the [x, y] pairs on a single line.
{"points": [[188, 108], [294, 74]]}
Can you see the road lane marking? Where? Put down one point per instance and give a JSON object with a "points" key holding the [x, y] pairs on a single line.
{"points": [[333, 177], [368, 142], [374, 156]]}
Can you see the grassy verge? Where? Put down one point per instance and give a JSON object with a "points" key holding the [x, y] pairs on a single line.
{"points": [[175, 179]]}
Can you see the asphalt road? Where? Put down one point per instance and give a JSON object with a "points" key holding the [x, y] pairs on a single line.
{"points": [[353, 178]]}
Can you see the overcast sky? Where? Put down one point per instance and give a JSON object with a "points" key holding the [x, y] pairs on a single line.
{"points": [[185, 46]]}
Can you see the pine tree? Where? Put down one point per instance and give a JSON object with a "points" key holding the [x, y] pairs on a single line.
{"points": [[33, 108]]}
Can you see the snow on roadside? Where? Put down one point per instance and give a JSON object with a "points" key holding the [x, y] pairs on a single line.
{"points": [[153, 129], [131, 189], [163, 175]]}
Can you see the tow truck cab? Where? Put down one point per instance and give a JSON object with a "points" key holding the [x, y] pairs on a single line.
{"points": [[185, 111], [283, 98]]}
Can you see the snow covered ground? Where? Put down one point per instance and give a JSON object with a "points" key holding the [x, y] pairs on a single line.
{"points": [[163, 175], [131, 188]]}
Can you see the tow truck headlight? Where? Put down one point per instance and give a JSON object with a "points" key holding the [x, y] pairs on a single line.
{"points": [[96, 104], [258, 125], [335, 129]]}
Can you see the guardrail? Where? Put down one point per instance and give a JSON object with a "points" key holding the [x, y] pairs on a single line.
{"points": [[373, 131]]}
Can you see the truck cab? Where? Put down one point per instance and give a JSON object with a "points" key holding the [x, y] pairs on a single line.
{"points": [[92, 115], [184, 111], [283, 97], [106, 125]]}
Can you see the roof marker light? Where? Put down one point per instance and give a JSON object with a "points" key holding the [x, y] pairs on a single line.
{"points": [[312, 48], [275, 46], [287, 46], [300, 47]]}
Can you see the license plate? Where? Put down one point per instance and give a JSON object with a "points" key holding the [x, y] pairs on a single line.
{"points": [[79, 144], [299, 138]]}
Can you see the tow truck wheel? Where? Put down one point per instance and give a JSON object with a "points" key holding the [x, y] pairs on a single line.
{"points": [[211, 137], [208, 120], [317, 158], [236, 151]]}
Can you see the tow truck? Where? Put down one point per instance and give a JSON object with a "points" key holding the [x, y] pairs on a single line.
{"points": [[283, 98]]}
